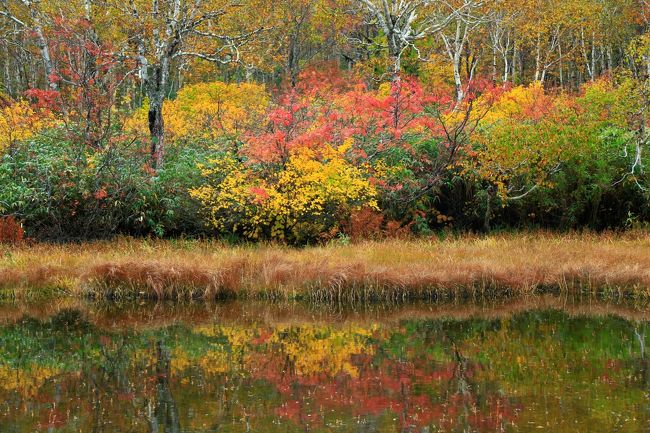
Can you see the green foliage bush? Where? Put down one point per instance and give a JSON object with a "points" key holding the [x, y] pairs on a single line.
{"points": [[62, 190]]}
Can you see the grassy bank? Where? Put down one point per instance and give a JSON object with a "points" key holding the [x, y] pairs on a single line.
{"points": [[515, 264]]}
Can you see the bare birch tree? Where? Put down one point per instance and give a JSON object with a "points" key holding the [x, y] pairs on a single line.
{"points": [[404, 22], [35, 24], [455, 37], [167, 31]]}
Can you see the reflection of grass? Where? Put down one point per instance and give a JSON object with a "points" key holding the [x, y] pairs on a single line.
{"points": [[389, 271], [146, 315]]}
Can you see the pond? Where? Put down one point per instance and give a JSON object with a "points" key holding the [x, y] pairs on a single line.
{"points": [[519, 366]]}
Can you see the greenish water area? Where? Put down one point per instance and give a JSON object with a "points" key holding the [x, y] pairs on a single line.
{"points": [[518, 366]]}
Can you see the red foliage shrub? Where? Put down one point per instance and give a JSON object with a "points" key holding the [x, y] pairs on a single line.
{"points": [[398, 230], [11, 231], [369, 224], [366, 223]]}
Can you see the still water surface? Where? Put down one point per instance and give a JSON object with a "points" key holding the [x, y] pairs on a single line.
{"points": [[290, 368]]}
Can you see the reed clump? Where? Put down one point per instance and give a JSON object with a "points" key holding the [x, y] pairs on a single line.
{"points": [[393, 270]]}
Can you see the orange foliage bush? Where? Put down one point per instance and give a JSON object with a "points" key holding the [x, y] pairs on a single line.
{"points": [[397, 230], [365, 223], [11, 231], [369, 224]]}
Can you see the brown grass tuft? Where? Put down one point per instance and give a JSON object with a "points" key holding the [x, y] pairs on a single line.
{"points": [[150, 280]]}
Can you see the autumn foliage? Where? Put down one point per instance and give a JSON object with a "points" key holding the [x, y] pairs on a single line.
{"points": [[20, 120], [11, 230], [396, 138]]}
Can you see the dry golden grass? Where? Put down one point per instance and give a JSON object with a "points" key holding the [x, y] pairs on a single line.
{"points": [[618, 264]]}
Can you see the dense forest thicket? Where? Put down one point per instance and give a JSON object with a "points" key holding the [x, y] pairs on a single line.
{"points": [[306, 121]]}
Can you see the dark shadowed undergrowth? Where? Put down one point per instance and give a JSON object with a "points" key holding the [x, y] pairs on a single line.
{"points": [[391, 271]]}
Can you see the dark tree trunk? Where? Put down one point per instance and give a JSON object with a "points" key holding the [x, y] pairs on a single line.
{"points": [[488, 211], [156, 88], [157, 132], [293, 59]]}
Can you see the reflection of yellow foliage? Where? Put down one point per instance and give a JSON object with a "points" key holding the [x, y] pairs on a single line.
{"points": [[316, 350], [208, 331], [143, 357], [207, 110], [238, 337], [25, 381], [312, 349], [215, 362], [180, 360], [225, 357]]}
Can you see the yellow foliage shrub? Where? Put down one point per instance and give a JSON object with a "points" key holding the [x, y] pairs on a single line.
{"points": [[19, 121], [306, 198], [520, 140], [207, 110]]}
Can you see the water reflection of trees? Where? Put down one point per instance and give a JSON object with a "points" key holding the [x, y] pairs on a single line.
{"points": [[113, 376], [414, 377], [164, 411], [419, 392], [642, 364]]}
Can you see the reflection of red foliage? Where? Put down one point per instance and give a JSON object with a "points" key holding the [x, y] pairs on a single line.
{"points": [[105, 340], [125, 396], [394, 386], [43, 397], [52, 418], [611, 366], [290, 409], [262, 338]]}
